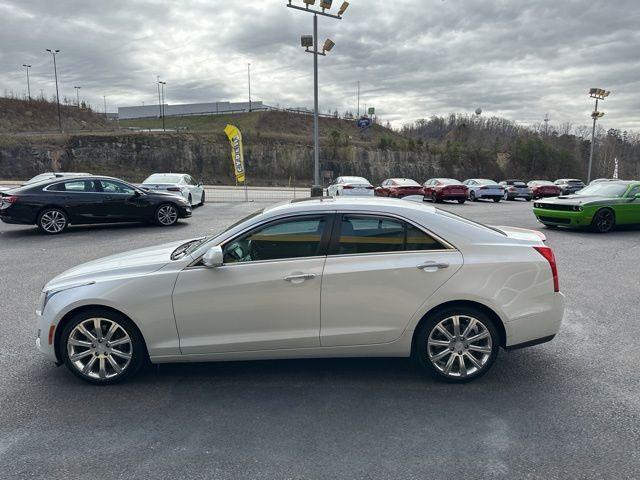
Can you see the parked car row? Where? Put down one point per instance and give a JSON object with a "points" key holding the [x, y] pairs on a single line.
{"points": [[441, 189], [55, 201]]}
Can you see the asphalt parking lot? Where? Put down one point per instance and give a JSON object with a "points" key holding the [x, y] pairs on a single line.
{"points": [[565, 409]]}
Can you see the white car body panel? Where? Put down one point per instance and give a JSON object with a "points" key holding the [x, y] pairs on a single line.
{"points": [[247, 310], [361, 187], [482, 189]]}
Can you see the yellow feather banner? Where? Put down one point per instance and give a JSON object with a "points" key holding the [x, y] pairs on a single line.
{"points": [[237, 154]]}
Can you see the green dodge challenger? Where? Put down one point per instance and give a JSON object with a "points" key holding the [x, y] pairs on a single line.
{"points": [[600, 206]]}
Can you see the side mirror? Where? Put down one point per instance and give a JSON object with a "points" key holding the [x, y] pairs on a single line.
{"points": [[214, 257]]}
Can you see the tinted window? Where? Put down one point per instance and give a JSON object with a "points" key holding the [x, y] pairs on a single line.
{"points": [[109, 186], [367, 234], [162, 178], [296, 238], [74, 186]]}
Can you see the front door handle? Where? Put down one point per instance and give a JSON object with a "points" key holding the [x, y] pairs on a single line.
{"points": [[300, 278], [432, 266]]}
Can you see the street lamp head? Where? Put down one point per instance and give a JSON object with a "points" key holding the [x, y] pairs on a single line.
{"points": [[306, 41], [343, 8], [25, 65], [328, 45], [326, 4]]}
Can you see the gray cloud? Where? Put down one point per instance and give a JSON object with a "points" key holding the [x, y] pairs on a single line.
{"points": [[414, 58]]}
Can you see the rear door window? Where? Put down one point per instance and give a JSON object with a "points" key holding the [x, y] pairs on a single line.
{"points": [[376, 234]]}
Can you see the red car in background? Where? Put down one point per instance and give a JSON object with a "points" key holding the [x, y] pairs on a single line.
{"points": [[544, 188], [398, 188], [439, 189]]}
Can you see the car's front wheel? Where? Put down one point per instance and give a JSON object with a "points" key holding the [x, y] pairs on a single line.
{"points": [[52, 221], [166, 215], [202, 199], [472, 196], [603, 221], [102, 347], [505, 196], [457, 344]]}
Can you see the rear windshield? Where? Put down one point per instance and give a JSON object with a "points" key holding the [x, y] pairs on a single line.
{"points": [[484, 181], [518, 184], [158, 178], [406, 182], [450, 181], [469, 222], [357, 180]]}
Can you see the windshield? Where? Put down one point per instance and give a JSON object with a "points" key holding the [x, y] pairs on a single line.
{"points": [[403, 182], [192, 245], [604, 190], [484, 181], [161, 178]]}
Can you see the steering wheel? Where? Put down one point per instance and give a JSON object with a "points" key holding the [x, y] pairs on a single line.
{"points": [[239, 251]]}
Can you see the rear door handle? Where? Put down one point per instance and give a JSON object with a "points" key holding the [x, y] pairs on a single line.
{"points": [[432, 266], [300, 278]]}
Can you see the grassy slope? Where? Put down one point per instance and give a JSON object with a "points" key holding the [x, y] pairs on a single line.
{"points": [[41, 116]]}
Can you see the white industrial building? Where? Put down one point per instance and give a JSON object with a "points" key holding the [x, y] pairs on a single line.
{"points": [[153, 111]]}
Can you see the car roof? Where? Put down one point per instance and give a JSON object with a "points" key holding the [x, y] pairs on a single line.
{"points": [[328, 204]]}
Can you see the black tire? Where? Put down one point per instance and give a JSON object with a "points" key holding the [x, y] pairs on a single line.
{"points": [[497, 200], [603, 221], [52, 221], [434, 197], [190, 200], [202, 200], [528, 199], [166, 215], [135, 348], [506, 196], [550, 226], [423, 357], [472, 196], [461, 201]]}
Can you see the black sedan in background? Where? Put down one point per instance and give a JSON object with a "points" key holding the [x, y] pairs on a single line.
{"points": [[55, 204]]}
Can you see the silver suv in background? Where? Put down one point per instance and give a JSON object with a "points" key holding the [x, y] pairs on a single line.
{"points": [[569, 186]]}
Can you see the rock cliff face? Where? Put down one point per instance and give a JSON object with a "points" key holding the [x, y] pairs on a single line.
{"points": [[268, 162]]}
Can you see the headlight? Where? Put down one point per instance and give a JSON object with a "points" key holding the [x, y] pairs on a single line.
{"points": [[46, 295], [577, 208]]}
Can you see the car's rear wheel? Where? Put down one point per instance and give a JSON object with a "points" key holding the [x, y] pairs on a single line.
{"points": [[497, 200], [434, 197], [190, 200], [166, 215], [603, 221], [457, 344], [505, 196], [102, 347], [52, 221], [202, 199], [472, 196], [461, 201]]}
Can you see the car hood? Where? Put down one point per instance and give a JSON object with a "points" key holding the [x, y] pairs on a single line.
{"points": [[133, 263], [573, 199]]}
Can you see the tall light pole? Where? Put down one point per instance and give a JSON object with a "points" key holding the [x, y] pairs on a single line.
{"points": [[104, 97], [308, 42], [159, 99], [78, 95], [358, 99], [162, 84], [28, 82], [249, 75], [55, 71], [598, 94]]}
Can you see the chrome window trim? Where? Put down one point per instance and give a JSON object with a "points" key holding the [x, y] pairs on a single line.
{"points": [[259, 225]]}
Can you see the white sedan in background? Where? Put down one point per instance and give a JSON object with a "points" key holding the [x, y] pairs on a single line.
{"points": [[483, 189], [178, 184], [348, 277], [351, 186]]}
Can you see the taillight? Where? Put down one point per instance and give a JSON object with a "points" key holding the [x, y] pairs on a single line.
{"points": [[173, 189], [348, 187], [547, 253]]}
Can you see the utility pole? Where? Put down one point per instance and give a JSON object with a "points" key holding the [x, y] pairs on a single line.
{"points": [[78, 95], [28, 82], [159, 99], [55, 71], [358, 99], [546, 124], [308, 42], [249, 75], [598, 94], [162, 84], [104, 97]]}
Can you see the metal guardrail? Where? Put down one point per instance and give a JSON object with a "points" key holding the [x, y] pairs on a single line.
{"points": [[231, 193]]}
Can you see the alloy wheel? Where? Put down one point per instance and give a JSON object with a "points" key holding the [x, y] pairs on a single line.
{"points": [[167, 215], [99, 348], [459, 346], [604, 221], [53, 221]]}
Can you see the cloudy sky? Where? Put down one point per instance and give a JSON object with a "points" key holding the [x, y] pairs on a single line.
{"points": [[414, 58]]}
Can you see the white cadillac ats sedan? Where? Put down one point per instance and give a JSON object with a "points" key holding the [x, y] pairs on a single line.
{"points": [[341, 277]]}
